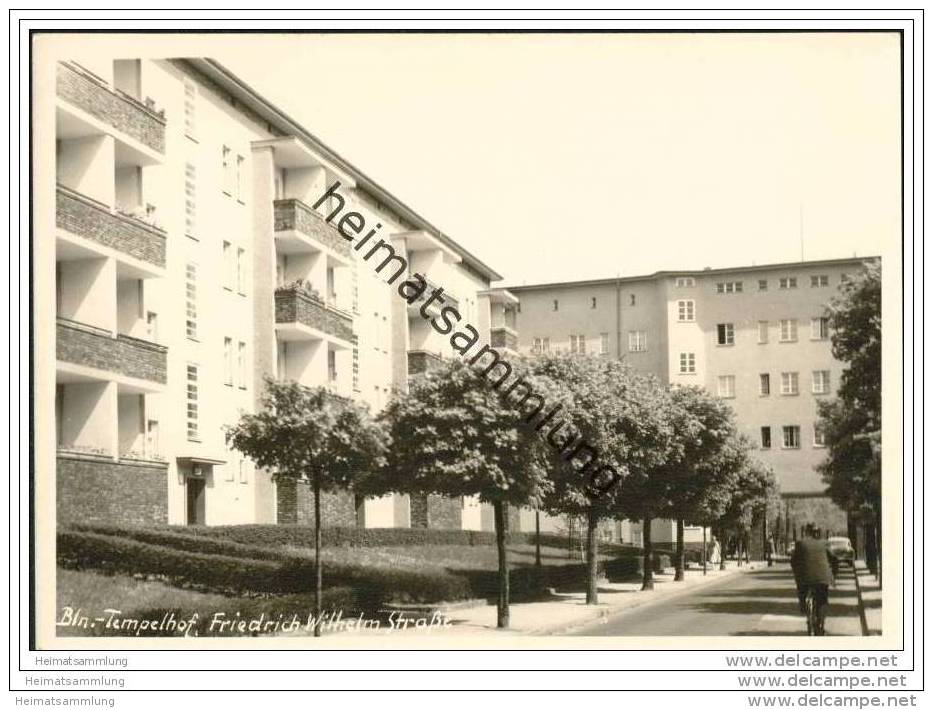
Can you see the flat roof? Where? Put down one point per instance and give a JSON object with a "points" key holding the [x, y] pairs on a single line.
{"points": [[253, 100], [695, 272]]}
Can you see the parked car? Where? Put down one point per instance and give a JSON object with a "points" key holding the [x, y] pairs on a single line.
{"points": [[841, 552]]}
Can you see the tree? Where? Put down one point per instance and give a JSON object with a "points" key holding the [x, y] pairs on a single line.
{"points": [[712, 453], [851, 422], [456, 435], [622, 415], [755, 489], [308, 434]]}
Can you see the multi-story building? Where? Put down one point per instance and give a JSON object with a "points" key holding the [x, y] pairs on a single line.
{"points": [[757, 336], [194, 258]]}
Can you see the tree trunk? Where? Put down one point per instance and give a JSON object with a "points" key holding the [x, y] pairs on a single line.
{"points": [[877, 525], [679, 553], [722, 549], [705, 551], [502, 604], [738, 550], [592, 555], [648, 561], [570, 537], [317, 556], [537, 538], [746, 542]]}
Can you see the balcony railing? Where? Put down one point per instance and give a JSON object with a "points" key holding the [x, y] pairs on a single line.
{"points": [[295, 215], [124, 113], [88, 346], [294, 304], [503, 337], [421, 361], [88, 218]]}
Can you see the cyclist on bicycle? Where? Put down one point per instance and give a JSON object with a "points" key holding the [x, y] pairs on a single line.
{"points": [[812, 571]]}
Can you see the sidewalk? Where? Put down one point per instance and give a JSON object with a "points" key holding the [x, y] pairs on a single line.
{"points": [[568, 610], [869, 599]]}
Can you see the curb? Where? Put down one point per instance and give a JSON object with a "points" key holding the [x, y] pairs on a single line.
{"points": [[638, 603]]}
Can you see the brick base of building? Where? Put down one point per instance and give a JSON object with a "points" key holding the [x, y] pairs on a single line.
{"points": [[100, 490], [436, 512], [295, 506]]}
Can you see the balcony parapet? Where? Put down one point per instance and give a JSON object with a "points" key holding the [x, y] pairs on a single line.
{"points": [[89, 346], [94, 96], [295, 215], [422, 361], [86, 217], [503, 337], [297, 304]]}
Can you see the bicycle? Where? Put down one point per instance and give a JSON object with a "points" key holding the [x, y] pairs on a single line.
{"points": [[816, 614]]}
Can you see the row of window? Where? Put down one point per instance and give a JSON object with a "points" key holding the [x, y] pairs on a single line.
{"points": [[237, 373], [790, 382], [577, 345], [787, 330], [784, 283], [790, 436]]}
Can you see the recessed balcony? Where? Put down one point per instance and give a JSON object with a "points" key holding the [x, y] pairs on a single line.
{"points": [[503, 338], [85, 352], [92, 220], [298, 228], [301, 315], [435, 308], [121, 112], [422, 361]]}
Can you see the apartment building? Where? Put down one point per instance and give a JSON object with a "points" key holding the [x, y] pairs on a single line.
{"points": [[193, 259], [756, 336]]}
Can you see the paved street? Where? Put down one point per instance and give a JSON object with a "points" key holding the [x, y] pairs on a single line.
{"points": [[760, 603]]}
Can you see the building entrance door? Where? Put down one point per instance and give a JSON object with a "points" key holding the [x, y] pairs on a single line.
{"points": [[195, 493]]}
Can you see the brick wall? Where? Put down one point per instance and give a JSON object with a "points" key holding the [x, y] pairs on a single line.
{"points": [[297, 216], [89, 219], [445, 513], [420, 361], [418, 511], [84, 345], [96, 490], [296, 506], [113, 108], [503, 338], [292, 305]]}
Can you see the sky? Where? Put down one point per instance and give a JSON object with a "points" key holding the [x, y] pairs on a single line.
{"points": [[563, 157]]}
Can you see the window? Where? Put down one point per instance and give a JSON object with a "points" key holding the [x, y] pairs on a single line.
{"points": [[631, 299], [229, 266], [191, 99], [593, 302], [686, 311], [729, 287], [788, 330], [789, 383], [192, 401], [685, 282], [241, 271], [843, 278], [726, 386], [819, 281], [725, 334], [244, 471], [240, 178], [191, 301], [688, 363], [556, 305], [820, 382], [762, 284], [786, 282], [190, 201], [764, 384], [332, 366], [228, 361], [227, 171], [229, 473], [541, 345], [241, 364], [152, 438], [637, 341], [762, 331], [577, 344], [791, 437], [604, 343], [819, 328], [152, 327], [819, 436], [766, 437]]}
